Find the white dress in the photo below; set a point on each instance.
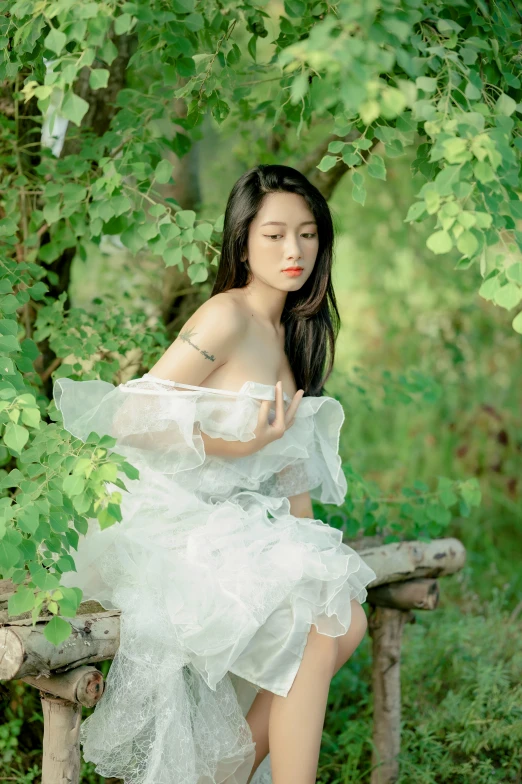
(217, 582)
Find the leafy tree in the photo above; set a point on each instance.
(348, 84)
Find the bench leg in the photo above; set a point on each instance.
(61, 742)
(385, 628)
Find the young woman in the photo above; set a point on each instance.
(237, 606)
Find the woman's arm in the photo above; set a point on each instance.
(301, 505)
(222, 448)
(206, 342)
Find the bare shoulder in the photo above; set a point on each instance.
(205, 342)
(220, 306)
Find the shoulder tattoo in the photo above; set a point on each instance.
(186, 337)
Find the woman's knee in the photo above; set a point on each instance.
(359, 618)
(352, 639)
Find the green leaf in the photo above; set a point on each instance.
(182, 6)
(483, 172)
(326, 163)
(132, 239)
(203, 231)
(426, 83)
(8, 343)
(251, 47)
(15, 437)
(470, 491)
(82, 466)
(108, 472)
(106, 441)
(51, 213)
(505, 105)
(59, 520)
(37, 292)
(439, 242)
(336, 146)
(82, 503)
(74, 108)
(70, 601)
(508, 296)
(456, 150)
(467, 243)
(517, 323)
(489, 288)
(44, 580)
(57, 630)
(21, 602)
(299, 87)
(376, 167)
(11, 303)
(173, 257)
(122, 24)
(163, 172)
(438, 514)
(99, 77)
(446, 493)
(197, 273)
(472, 92)
(73, 485)
(130, 470)
(107, 52)
(31, 417)
(483, 220)
(9, 555)
(415, 211)
(514, 272)
(515, 207)
(446, 179)
(432, 199)
(185, 219)
(55, 40)
(28, 519)
(359, 194)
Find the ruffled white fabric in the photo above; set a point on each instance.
(218, 583)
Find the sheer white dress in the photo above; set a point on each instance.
(217, 582)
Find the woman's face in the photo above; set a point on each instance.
(283, 234)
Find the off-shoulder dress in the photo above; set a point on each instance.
(217, 582)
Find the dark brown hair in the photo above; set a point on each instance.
(310, 315)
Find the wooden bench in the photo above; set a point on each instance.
(407, 575)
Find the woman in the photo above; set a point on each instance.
(237, 606)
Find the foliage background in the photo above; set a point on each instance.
(427, 367)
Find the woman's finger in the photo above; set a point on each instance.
(294, 405)
(264, 413)
(279, 419)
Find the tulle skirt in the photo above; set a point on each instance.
(212, 610)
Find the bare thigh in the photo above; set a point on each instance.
(333, 652)
(347, 643)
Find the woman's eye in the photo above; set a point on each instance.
(275, 236)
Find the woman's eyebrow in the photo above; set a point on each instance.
(280, 223)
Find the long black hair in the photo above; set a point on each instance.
(310, 315)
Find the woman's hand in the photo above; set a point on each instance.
(265, 431)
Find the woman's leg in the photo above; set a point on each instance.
(259, 714)
(258, 717)
(296, 721)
